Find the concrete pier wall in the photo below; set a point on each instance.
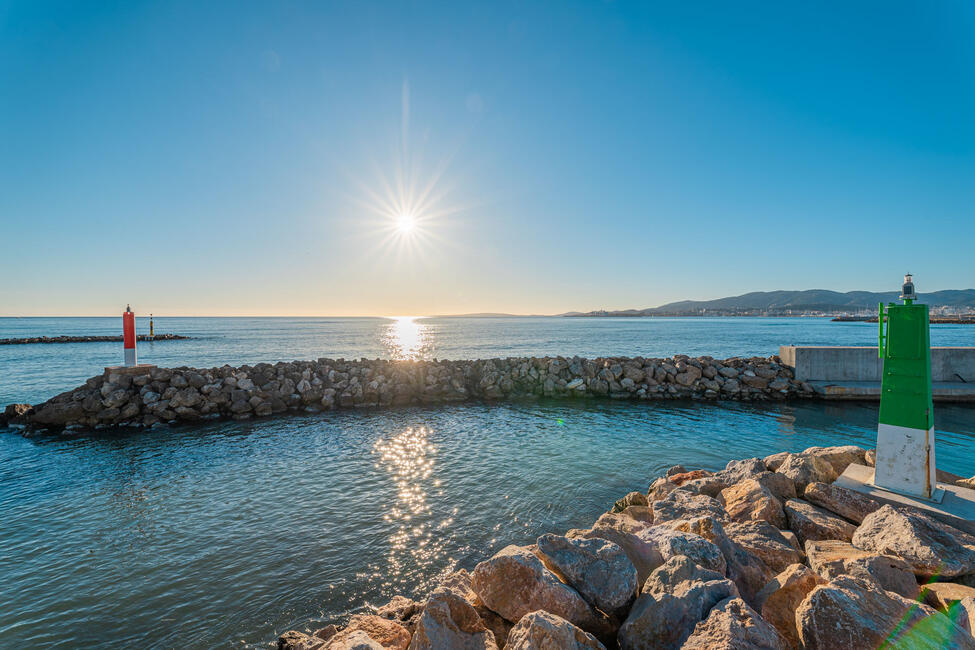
(836, 372)
(839, 363)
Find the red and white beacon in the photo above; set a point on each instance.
(128, 336)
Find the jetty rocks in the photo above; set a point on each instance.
(144, 397)
(757, 555)
(89, 339)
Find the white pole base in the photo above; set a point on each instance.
(905, 461)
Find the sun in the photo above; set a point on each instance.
(405, 223)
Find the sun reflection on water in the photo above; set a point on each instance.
(406, 337)
(408, 457)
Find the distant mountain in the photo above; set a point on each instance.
(784, 302)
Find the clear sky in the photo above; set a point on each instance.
(258, 158)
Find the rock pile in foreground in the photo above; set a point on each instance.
(144, 397)
(766, 553)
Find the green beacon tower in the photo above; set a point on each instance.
(905, 433)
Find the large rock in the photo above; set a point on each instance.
(733, 625)
(739, 470)
(748, 500)
(746, 570)
(780, 598)
(766, 542)
(930, 547)
(402, 610)
(626, 533)
(781, 486)
(775, 461)
(852, 612)
(597, 568)
(841, 501)
(671, 543)
(459, 582)
(640, 513)
(543, 631)
(515, 582)
(449, 621)
(387, 634)
(963, 613)
(833, 558)
(803, 470)
(631, 499)
(942, 595)
(682, 504)
(811, 523)
(838, 457)
(676, 597)
(295, 640)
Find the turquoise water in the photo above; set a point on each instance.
(231, 533)
(33, 373)
(228, 533)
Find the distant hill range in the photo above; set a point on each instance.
(792, 302)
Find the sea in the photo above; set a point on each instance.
(226, 534)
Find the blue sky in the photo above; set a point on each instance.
(242, 158)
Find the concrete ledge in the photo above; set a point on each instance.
(944, 391)
(860, 363)
(957, 508)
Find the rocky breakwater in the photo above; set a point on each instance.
(159, 395)
(766, 553)
(89, 339)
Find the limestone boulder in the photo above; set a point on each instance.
(929, 546)
(660, 488)
(963, 613)
(811, 523)
(683, 477)
(838, 457)
(631, 499)
(841, 501)
(387, 634)
(639, 513)
(781, 597)
(515, 582)
(803, 470)
(739, 470)
(449, 621)
(766, 542)
(544, 631)
(459, 583)
(833, 558)
(682, 504)
(748, 500)
(294, 640)
(853, 612)
(780, 485)
(676, 597)
(401, 610)
(731, 625)
(626, 533)
(671, 543)
(775, 460)
(745, 569)
(943, 595)
(792, 539)
(597, 568)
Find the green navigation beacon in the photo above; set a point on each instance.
(905, 432)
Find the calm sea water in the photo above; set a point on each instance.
(33, 373)
(228, 533)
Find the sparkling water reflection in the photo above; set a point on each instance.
(407, 338)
